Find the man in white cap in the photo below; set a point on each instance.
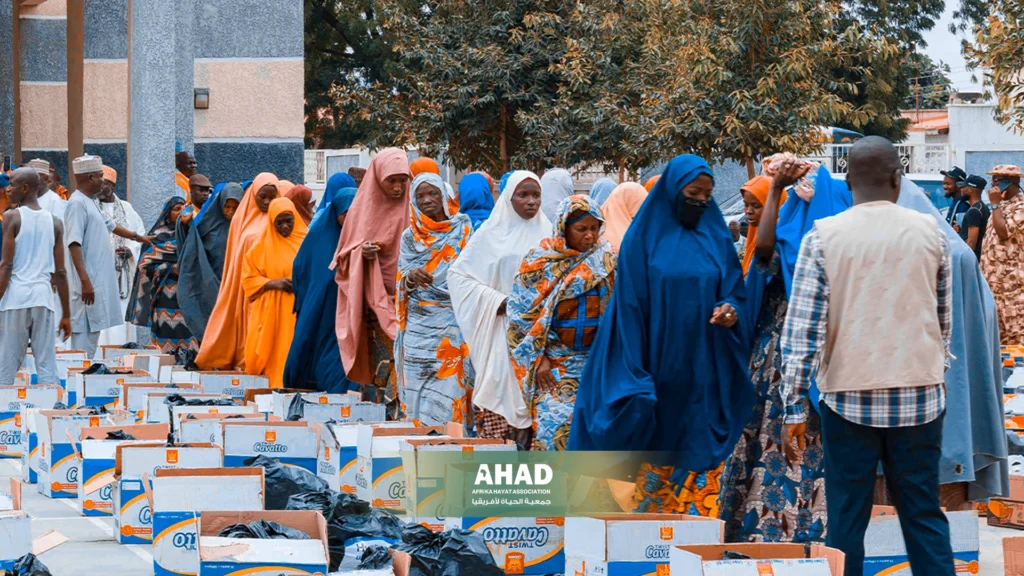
(48, 199)
(95, 305)
(126, 254)
(32, 258)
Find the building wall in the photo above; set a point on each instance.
(978, 141)
(248, 53)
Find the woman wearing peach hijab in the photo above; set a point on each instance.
(302, 197)
(223, 345)
(267, 282)
(366, 265)
(619, 209)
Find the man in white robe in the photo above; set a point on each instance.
(126, 254)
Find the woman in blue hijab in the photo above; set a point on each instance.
(314, 360)
(667, 372)
(601, 189)
(475, 198)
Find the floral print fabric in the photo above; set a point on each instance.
(552, 274)
(435, 377)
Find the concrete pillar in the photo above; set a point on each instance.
(185, 51)
(152, 79)
(8, 76)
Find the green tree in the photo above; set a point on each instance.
(998, 50)
(929, 82)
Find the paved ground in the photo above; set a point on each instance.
(92, 551)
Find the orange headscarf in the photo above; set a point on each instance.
(361, 283)
(301, 197)
(758, 187)
(651, 182)
(619, 209)
(424, 164)
(271, 319)
(223, 346)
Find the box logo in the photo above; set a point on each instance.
(515, 563)
(270, 436)
(119, 381)
(172, 456)
(765, 569)
(186, 540)
(17, 419)
(236, 382)
(22, 393)
(327, 452)
(214, 411)
(94, 421)
(665, 533)
(346, 411)
(662, 570)
(323, 399)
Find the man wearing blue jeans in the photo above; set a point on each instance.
(869, 320)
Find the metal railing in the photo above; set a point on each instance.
(916, 158)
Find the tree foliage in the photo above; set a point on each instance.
(929, 82)
(997, 49)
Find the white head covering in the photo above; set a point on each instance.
(87, 164)
(430, 178)
(41, 166)
(479, 281)
(556, 185)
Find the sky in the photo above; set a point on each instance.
(944, 46)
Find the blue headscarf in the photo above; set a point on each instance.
(602, 189)
(475, 198)
(314, 360)
(337, 182)
(660, 377)
(797, 217)
(973, 440)
(504, 180)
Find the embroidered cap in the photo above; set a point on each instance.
(87, 164)
(41, 166)
(110, 174)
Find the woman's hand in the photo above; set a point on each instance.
(724, 315)
(788, 173)
(370, 250)
(419, 278)
(545, 377)
(282, 284)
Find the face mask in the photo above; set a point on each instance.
(688, 211)
(1005, 185)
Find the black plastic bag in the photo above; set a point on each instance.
(186, 357)
(179, 400)
(97, 368)
(60, 406)
(95, 410)
(296, 410)
(732, 555)
(450, 553)
(263, 530)
(119, 435)
(28, 565)
(283, 481)
(334, 506)
(375, 558)
(131, 346)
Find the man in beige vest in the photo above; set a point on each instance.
(869, 321)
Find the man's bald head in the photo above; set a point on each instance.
(185, 163)
(875, 170)
(24, 183)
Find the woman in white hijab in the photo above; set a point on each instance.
(557, 186)
(479, 283)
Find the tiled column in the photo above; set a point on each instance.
(152, 64)
(7, 79)
(185, 52)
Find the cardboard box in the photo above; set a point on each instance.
(178, 412)
(264, 397)
(181, 376)
(134, 465)
(133, 396)
(1013, 556)
(207, 427)
(380, 476)
(12, 400)
(15, 529)
(98, 461)
(1008, 512)
(232, 384)
(114, 352)
(30, 446)
(520, 545)
(226, 556)
(180, 496)
(338, 456)
(354, 412)
(157, 411)
(59, 456)
(151, 364)
(282, 401)
(293, 443)
(425, 476)
(773, 559)
(886, 553)
(628, 544)
(104, 389)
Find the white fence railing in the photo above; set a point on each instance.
(916, 158)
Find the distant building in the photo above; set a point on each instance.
(220, 78)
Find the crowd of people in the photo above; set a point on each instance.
(767, 373)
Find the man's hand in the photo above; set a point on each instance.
(995, 196)
(724, 315)
(123, 252)
(147, 240)
(794, 442)
(419, 278)
(88, 294)
(64, 328)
